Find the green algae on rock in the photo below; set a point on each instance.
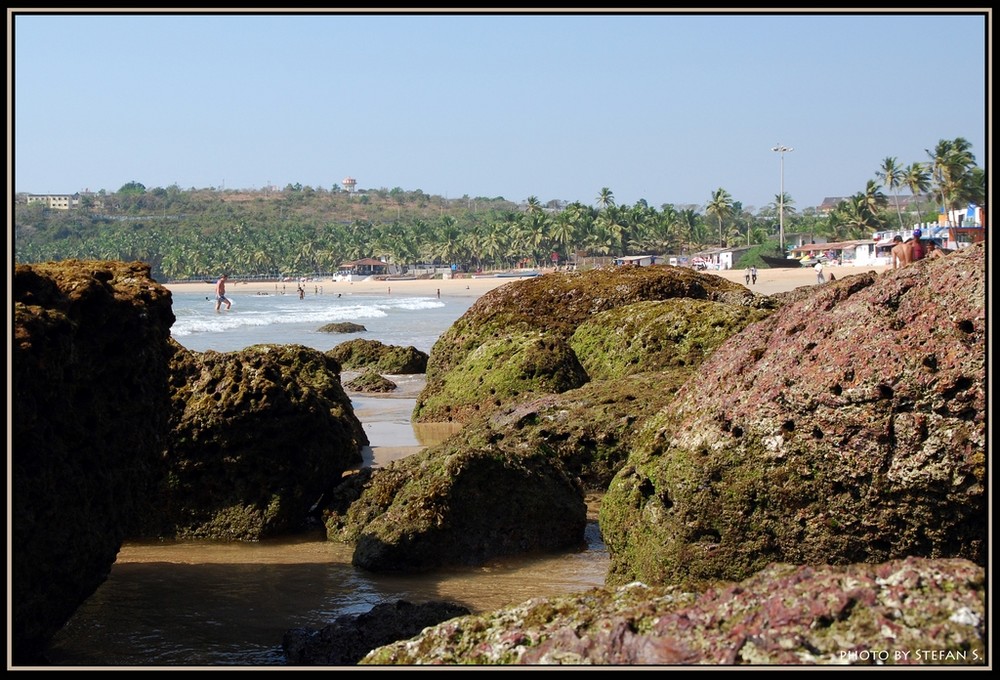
(370, 381)
(657, 334)
(848, 426)
(359, 354)
(258, 436)
(459, 504)
(551, 306)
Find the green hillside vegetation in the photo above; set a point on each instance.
(196, 234)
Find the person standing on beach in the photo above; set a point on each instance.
(819, 272)
(900, 253)
(220, 293)
(916, 246)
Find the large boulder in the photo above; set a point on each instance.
(849, 426)
(460, 503)
(546, 309)
(89, 397)
(912, 612)
(258, 436)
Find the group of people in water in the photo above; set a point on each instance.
(912, 249)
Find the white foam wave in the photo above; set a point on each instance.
(196, 314)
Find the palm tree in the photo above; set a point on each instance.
(721, 207)
(606, 198)
(562, 233)
(952, 161)
(609, 224)
(688, 222)
(874, 200)
(893, 177)
(917, 179)
(666, 228)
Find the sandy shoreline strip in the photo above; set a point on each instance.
(769, 282)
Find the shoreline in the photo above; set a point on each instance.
(769, 282)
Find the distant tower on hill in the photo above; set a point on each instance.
(350, 183)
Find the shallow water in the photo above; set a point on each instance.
(209, 604)
(219, 604)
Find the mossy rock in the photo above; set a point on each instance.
(342, 327)
(503, 370)
(89, 367)
(370, 381)
(655, 335)
(588, 430)
(555, 304)
(256, 436)
(849, 426)
(458, 505)
(360, 354)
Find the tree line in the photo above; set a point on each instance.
(306, 231)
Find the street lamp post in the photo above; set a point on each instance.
(781, 149)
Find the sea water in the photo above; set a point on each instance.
(215, 604)
(284, 318)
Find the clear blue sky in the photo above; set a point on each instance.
(665, 108)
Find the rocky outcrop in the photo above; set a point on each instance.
(523, 327)
(370, 381)
(914, 612)
(342, 327)
(363, 354)
(460, 503)
(848, 426)
(349, 638)
(257, 438)
(524, 395)
(89, 399)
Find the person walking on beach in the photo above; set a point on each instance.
(220, 293)
(819, 272)
(747, 276)
(753, 274)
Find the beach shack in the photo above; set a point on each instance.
(635, 261)
(718, 258)
(366, 267)
(856, 253)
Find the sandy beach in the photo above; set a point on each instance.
(769, 282)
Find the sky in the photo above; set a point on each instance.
(665, 108)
